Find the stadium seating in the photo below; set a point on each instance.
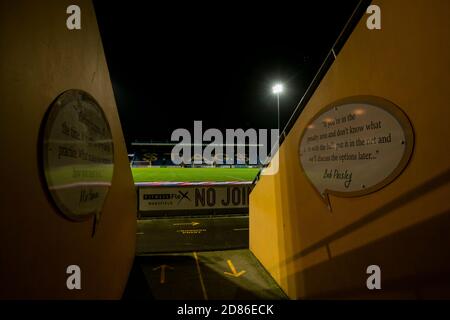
(153, 154)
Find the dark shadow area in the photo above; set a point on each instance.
(182, 280)
(137, 287)
(415, 264)
(426, 187)
(187, 234)
(191, 212)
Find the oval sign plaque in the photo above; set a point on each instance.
(78, 155)
(355, 146)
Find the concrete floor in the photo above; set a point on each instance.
(195, 233)
(208, 275)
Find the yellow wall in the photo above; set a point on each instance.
(39, 59)
(405, 227)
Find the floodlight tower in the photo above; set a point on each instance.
(277, 89)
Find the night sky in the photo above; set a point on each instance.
(175, 62)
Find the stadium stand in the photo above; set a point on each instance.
(158, 154)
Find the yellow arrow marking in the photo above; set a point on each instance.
(163, 268)
(234, 273)
(187, 224)
(191, 231)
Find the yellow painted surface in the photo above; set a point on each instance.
(404, 227)
(39, 59)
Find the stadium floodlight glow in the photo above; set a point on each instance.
(278, 88)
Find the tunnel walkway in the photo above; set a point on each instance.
(208, 275)
(192, 233)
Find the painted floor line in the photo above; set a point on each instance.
(205, 295)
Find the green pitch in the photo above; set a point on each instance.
(193, 174)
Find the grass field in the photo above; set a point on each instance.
(193, 174)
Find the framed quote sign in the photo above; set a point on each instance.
(77, 155)
(355, 146)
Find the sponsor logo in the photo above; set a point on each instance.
(168, 196)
